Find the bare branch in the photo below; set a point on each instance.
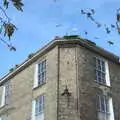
(11, 48)
(5, 14)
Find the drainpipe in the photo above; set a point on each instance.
(58, 69)
(77, 83)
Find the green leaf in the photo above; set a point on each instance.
(9, 29)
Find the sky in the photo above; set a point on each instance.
(37, 26)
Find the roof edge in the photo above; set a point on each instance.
(61, 41)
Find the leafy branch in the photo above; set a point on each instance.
(6, 27)
(16, 3)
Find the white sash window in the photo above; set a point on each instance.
(5, 93)
(38, 108)
(105, 108)
(40, 73)
(102, 71)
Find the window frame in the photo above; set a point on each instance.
(39, 74)
(3, 117)
(6, 93)
(41, 79)
(105, 100)
(40, 102)
(106, 81)
(108, 113)
(37, 114)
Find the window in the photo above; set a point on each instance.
(105, 108)
(5, 93)
(102, 72)
(40, 73)
(38, 108)
(103, 105)
(3, 117)
(39, 105)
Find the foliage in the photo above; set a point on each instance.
(7, 27)
(16, 3)
(116, 26)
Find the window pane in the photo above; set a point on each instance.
(4, 117)
(40, 79)
(102, 104)
(98, 64)
(43, 77)
(42, 72)
(39, 105)
(104, 112)
(36, 107)
(103, 78)
(107, 104)
(44, 65)
(7, 92)
(103, 66)
(39, 68)
(100, 71)
(98, 76)
(98, 103)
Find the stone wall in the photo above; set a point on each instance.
(77, 71)
(23, 93)
(67, 72)
(71, 70)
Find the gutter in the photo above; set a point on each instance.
(61, 41)
(29, 61)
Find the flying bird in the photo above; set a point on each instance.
(86, 32)
(110, 42)
(58, 25)
(112, 26)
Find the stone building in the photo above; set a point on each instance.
(68, 79)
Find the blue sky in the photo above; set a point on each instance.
(37, 26)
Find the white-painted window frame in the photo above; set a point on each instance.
(39, 74)
(106, 71)
(3, 97)
(4, 117)
(107, 113)
(36, 114)
(103, 103)
(6, 93)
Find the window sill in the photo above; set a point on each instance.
(4, 106)
(108, 113)
(39, 86)
(1, 107)
(102, 84)
(39, 113)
